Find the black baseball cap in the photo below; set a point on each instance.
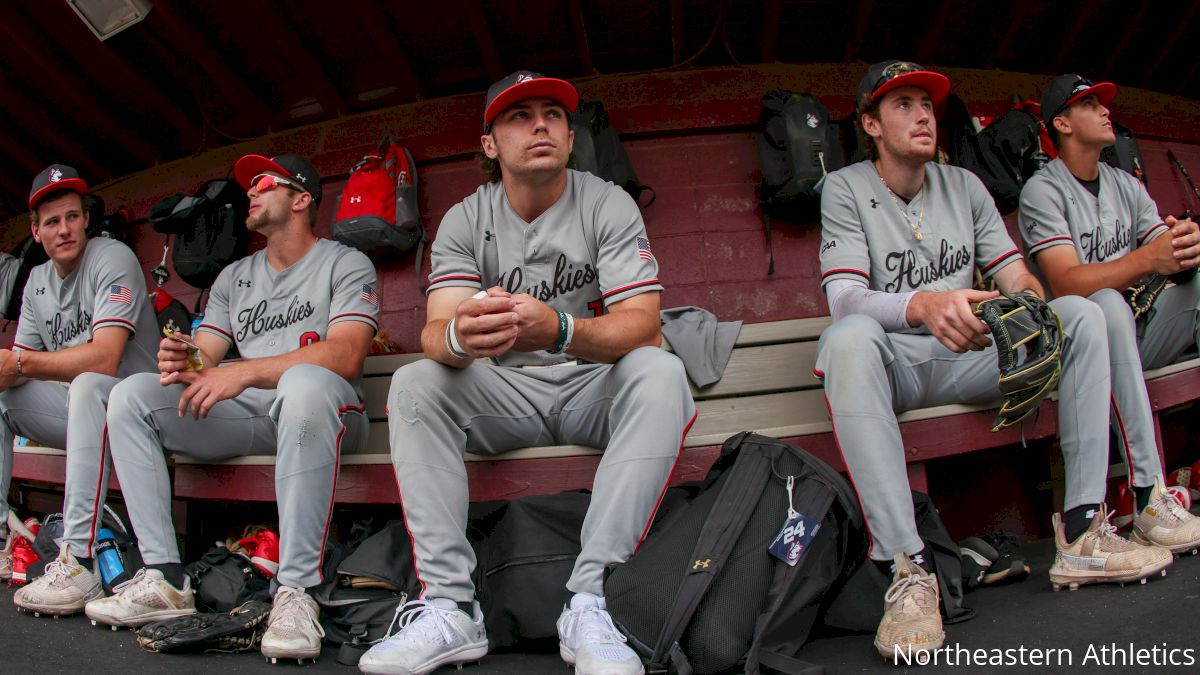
(524, 84)
(1067, 89)
(54, 178)
(888, 75)
(294, 167)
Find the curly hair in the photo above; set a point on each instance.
(868, 107)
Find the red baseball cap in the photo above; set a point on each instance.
(888, 75)
(54, 178)
(524, 84)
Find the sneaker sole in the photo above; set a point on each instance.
(888, 652)
(1140, 538)
(1018, 570)
(1074, 581)
(568, 657)
(137, 621)
(283, 653)
(464, 654)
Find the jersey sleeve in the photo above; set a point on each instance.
(994, 248)
(120, 289)
(1042, 217)
(452, 257)
(28, 337)
(1148, 225)
(216, 313)
(624, 261)
(844, 249)
(355, 291)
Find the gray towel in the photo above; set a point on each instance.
(700, 341)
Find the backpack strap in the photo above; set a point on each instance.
(724, 524)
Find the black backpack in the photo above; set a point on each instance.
(223, 580)
(598, 151)
(526, 550)
(704, 595)
(209, 229)
(1005, 154)
(797, 147)
(1125, 153)
(28, 254)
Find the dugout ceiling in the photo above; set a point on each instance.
(199, 75)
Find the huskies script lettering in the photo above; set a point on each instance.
(255, 320)
(64, 331)
(567, 278)
(1098, 248)
(911, 275)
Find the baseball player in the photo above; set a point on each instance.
(302, 313)
(1093, 231)
(571, 316)
(901, 239)
(85, 323)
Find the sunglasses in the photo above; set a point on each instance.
(1081, 85)
(265, 182)
(896, 70)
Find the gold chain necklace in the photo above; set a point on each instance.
(916, 227)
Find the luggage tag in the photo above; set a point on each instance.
(793, 540)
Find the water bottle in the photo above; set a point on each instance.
(196, 323)
(108, 558)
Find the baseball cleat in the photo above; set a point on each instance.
(1099, 555)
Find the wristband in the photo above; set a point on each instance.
(19, 362)
(564, 330)
(570, 332)
(452, 344)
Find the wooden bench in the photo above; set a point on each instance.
(768, 387)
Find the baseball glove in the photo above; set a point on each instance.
(1141, 296)
(1030, 345)
(240, 630)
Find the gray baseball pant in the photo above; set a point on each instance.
(638, 409)
(307, 423)
(871, 375)
(36, 410)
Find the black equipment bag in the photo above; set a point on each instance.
(1005, 154)
(598, 151)
(209, 229)
(858, 606)
(356, 618)
(1125, 153)
(28, 254)
(223, 580)
(526, 550)
(797, 147)
(703, 594)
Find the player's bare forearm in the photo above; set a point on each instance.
(1016, 277)
(1066, 275)
(433, 344)
(342, 351)
(629, 324)
(101, 355)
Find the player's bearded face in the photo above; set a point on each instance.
(532, 136)
(61, 229)
(907, 128)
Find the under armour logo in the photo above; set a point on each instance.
(702, 564)
(874, 204)
(300, 177)
(487, 235)
(918, 559)
(1091, 513)
(242, 283)
(40, 291)
(356, 199)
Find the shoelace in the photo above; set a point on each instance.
(1168, 508)
(56, 572)
(913, 581)
(593, 624)
(426, 619)
(291, 606)
(137, 579)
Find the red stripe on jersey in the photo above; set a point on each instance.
(1001, 259)
(629, 287)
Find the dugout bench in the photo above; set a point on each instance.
(768, 387)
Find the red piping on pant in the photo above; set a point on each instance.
(662, 494)
(838, 443)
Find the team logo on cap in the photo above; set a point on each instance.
(523, 77)
(899, 68)
(55, 175)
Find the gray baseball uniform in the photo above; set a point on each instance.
(871, 375)
(585, 252)
(305, 421)
(1056, 210)
(105, 289)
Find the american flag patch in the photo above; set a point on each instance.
(119, 293)
(369, 295)
(643, 246)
